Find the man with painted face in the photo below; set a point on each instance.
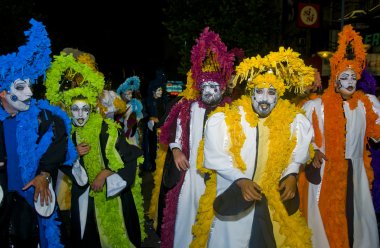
(253, 150)
(341, 176)
(103, 209)
(33, 144)
(181, 133)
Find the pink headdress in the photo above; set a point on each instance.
(210, 60)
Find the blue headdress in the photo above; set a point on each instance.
(31, 61)
(131, 83)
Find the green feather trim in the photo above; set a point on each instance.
(91, 86)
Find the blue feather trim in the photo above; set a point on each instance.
(31, 61)
(29, 154)
(131, 83)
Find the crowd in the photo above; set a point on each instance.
(252, 153)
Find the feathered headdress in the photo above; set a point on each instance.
(210, 60)
(350, 54)
(71, 77)
(131, 83)
(283, 70)
(31, 61)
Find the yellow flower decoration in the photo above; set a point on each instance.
(291, 72)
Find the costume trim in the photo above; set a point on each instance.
(293, 228)
(31, 61)
(109, 217)
(131, 83)
(90, 87)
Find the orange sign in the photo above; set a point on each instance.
(308, 15)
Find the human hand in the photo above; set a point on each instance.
(83, 148)
(289, 187)
(251, 191)
(41, 187)
(100, 179)
(180, 159)
(318, 159)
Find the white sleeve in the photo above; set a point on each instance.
(310, 107)
(216, 154)
(302, 128)
(178, 135)
(1, 195)
(376, 108)
(79, 173)
(115, 184)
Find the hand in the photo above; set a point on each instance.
(180, 159)
(41, 187)
(100, 179)
(151, 125)
(83, 148)
(251, 191)
(289, 185)
(318, 159)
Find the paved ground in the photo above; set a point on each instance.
(152, 241)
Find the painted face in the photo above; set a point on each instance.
(127, 95)
(80, 112)
(346, 83)
(264, 100)
(211, 93)
(157, 93)
(19, 95)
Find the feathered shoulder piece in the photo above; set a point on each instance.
(210, 60)
(71, 77)
(131, 83)
(350, 54)
(30, 61)
(283, 70)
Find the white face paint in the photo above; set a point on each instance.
(80, 112)
(211, 93)
(157, 93)
(127, 95)
(346, 83)
(264, 100)
(19, 95)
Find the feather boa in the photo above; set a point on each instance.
(171, 201)
(108, 213)
(294, 227)
(29, 155)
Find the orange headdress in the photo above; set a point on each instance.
(342, 59)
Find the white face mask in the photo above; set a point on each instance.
(264, 100)
(127, 95)
(157, 93)
(211, 93)
(346, 83)
(80, 112)
(19, 95)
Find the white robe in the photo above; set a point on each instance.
(193, 186)
(365, 224)
(235, 231)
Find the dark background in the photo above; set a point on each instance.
(126, 37)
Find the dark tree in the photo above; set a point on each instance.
(253, 25)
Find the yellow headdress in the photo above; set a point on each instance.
(341, 60)
(283, 70)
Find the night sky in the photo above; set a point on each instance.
(125, 40)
